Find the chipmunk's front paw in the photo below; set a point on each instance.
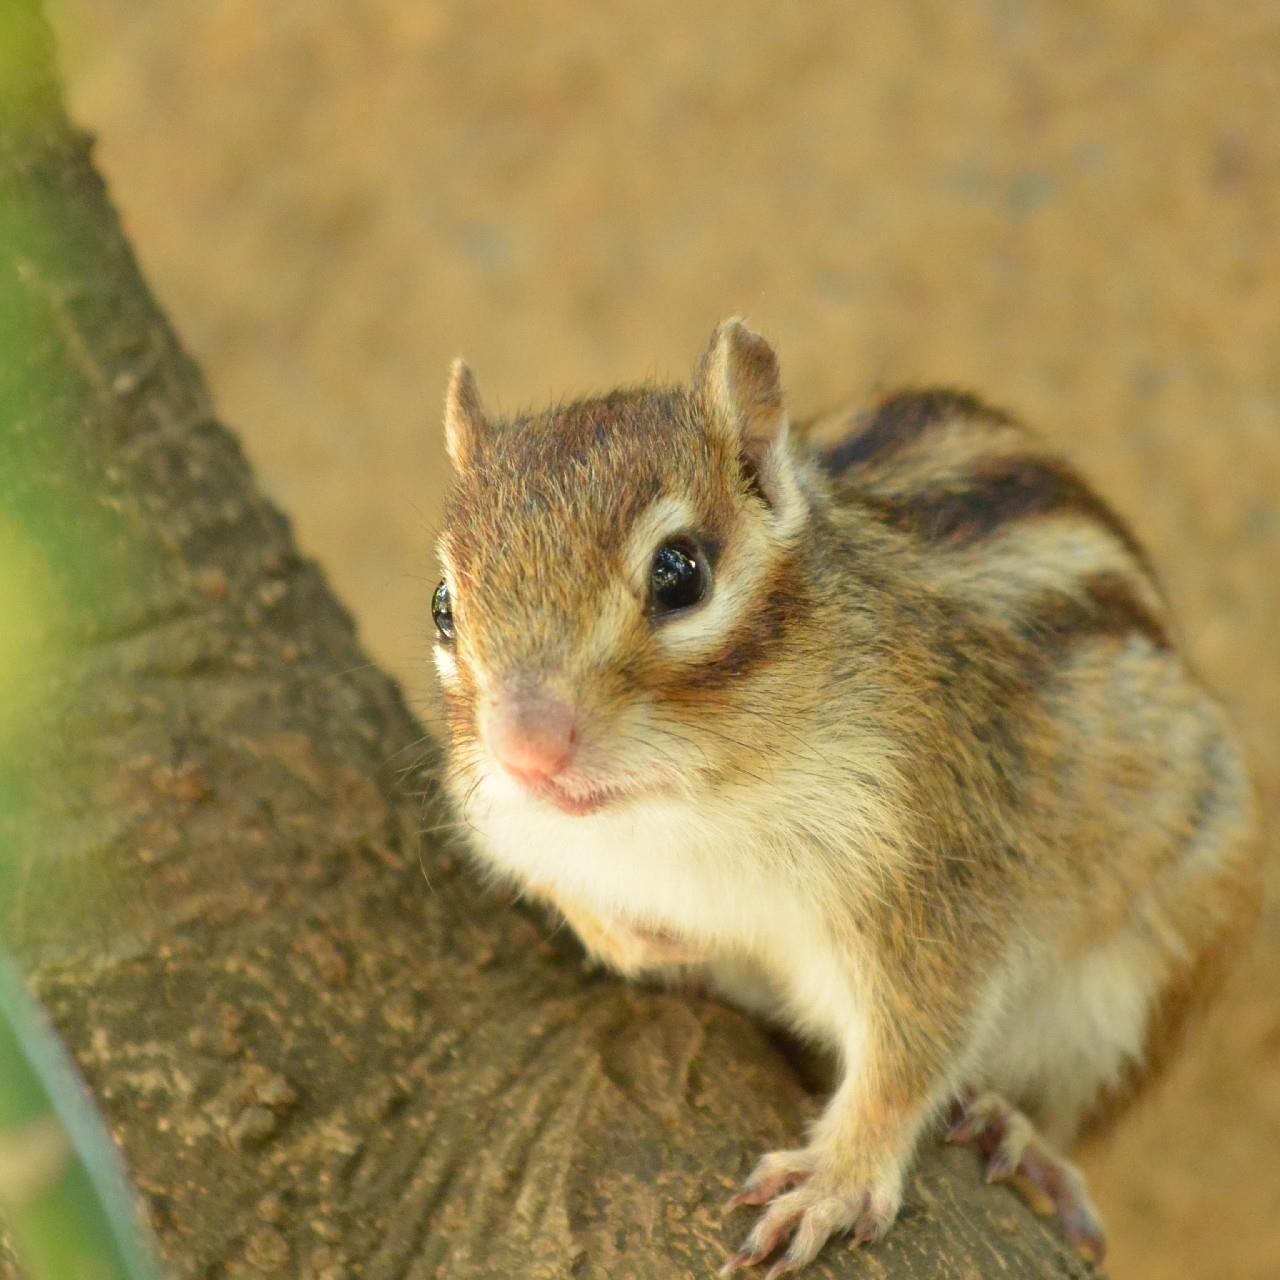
(635, 952)
(627, 948)
(808, 1201)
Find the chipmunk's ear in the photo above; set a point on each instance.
(463, 414)
(740, 385)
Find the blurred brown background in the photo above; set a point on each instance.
(1073, 208)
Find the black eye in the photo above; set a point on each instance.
(442, 611)
(678, 578)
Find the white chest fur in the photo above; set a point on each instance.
(707, 876)
(658, 863)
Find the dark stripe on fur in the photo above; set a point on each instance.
(900, 421)
(1104, 605)
(758, 639)
(993, 677)
(1000, 492)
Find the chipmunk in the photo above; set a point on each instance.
(887, 737)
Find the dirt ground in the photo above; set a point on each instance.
(1074, 209)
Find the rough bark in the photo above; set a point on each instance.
(325, 1050)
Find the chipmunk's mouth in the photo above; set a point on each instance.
(579, 802)
(578, 794)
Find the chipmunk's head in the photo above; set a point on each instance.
(615, 572)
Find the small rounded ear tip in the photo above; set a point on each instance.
(733, 330)
(463, 415)
(462, 390)
(735, 337)
(460, 375)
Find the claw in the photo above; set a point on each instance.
(772, 1229)
(965, 1129)
(868, 1230)
(761, 1190)
(743, 1258)
(1002, 1165)
(783, 1267)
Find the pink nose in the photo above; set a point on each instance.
(532, 738)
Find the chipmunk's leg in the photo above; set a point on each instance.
(1014, 1151)
(618, 945)
(901, 1029)
(909, 993)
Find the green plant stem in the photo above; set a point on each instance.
(63, 1193)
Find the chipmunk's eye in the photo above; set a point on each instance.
(678, 577)
(442, 611)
